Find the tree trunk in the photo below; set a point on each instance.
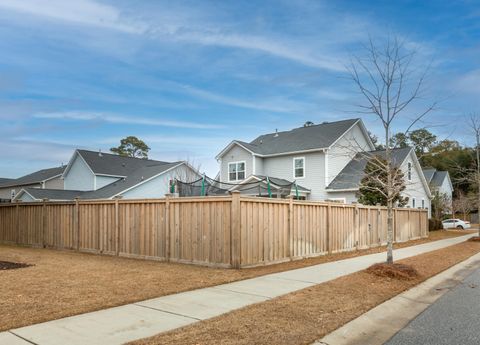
(389, 232)
(478, 178)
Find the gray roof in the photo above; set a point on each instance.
(438, 178)
(5, 180)
(429, 173)
(53, 194)
(300, 139)
(352, 174)
(33, 178)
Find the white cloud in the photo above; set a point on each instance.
(84, 12)
(123, 119)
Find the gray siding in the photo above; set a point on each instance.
(344, 150)
(26, 198)
(156, 187)
(236, 154)
(79, 177)
(258, 166)
(56, 183)
(102, 181)
(5, 193)
(282, 167)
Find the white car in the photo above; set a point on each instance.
(455, 224)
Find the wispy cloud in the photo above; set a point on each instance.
(124, 119)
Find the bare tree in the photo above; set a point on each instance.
(463, 203)
(389, 84)
(475, 127)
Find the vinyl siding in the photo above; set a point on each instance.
(5, 193)
(350, 197)
(236, 154)
(102, 181)
(344, 150)
(258, 166)
(282, 167)
(415, 188)
(158, 186)
(56, 183)
(26, 198)
(79, 176)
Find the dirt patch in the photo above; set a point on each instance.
(310, 314)
(66, 283)
(7, 265)
(474, 239)
(393, 271)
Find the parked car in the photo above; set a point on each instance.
(455, 224)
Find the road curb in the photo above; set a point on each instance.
(379, 324)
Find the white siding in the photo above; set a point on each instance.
(102, 181)
(344, 150)
(79, 176)
(282, 167)
(415, 188)
(26, 198)
(236, 154)
(156, 187)
(350, 197)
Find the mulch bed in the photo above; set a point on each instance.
(309, 314)
(394, 271)
(7, 265)
(474, 239)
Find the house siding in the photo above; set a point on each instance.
(6, 193)
(342, 152)
(79, 176)
(258, 166)
(282, 167)
(158, 186)
(415, 188)
(102, 181)
(26, 198)
(236, 154)
(56, 183)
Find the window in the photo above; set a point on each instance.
(12, 193)
(413, 202)
(423, 203)
(409, 171)
(236, 171)
(299, 167)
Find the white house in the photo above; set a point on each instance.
(43, 179)
(440, 185)
(97, 175)
(323, 159)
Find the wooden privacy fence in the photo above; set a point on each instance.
(230, 231)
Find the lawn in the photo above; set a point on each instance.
(63, 283)
(309, 314)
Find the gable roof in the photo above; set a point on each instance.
(5, 180)
(436, 177)
(315, 137)
(429, 173)
(51, 194)
(349, 178)
(35, 177)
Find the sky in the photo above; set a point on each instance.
(188, 77)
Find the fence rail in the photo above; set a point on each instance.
(231, 231)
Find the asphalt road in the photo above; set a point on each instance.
(453, 319)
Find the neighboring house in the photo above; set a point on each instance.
(323, 159)
(440, 184)
(43, 179)
(97, 175)
(346, 183)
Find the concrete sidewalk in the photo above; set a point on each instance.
(143, 319)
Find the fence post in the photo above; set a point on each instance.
(356, 224)
(167, 227)
(290, 227)
(44, 223)
(76, 218)
(235, 228)
(117, 228)
(329, 226)
(17, 222)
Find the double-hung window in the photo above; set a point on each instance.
(409, 171)
(236, 171)
(299, 167)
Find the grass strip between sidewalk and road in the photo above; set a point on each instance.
(307, 315)
(64, 283)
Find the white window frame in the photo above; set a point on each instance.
(13, 194)
(304, 167)
(245, 171)
(414, 203)
(423, 203)
(409, 171)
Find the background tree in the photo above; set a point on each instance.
(463, 204)
(375, 141)
(131, 147)
(372, 189)
(422, 140)
(399, 140)
(389, 84)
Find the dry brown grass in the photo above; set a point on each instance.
(310, 314)
(66, 283)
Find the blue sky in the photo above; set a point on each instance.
(187, 77)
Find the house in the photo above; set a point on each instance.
(42, 179)
(323, 159)
(440, 185)
(97, 175)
